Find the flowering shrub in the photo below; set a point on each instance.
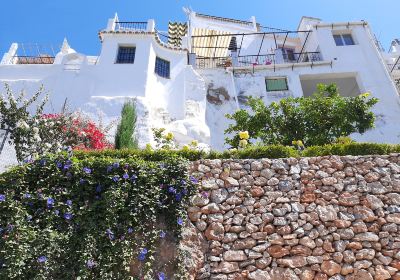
(163, 139)
(67, 218)
(38, 133)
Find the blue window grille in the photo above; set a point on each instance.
(162, 68)
(126, 55)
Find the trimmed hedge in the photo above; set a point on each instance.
(254, 152)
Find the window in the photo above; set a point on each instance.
(288, 55)
(126, 54)
(343, 40)
(162, 68)
(276, 84)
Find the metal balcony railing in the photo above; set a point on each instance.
(257, 60)
(130, 25)
(43, 59)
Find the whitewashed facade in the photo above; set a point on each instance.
(189, 88)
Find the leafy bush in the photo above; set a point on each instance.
(124, 138)
(38, 133)
(316, 120)
(91, 218)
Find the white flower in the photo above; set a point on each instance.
(37, 138)
(48, 145)
(23, 124)
(35, 130)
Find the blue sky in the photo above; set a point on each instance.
(49, 21)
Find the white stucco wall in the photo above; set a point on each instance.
(100, 86)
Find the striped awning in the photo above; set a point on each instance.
(176, 30)
(208, 44)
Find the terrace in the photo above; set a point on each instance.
(268, 46)
(33, 54)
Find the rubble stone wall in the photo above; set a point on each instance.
(311, 218)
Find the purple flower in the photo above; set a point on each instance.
(2, 197)
(109, 168)
(90, 263)
(29, 217)
(205, 194)
(59, 164)
(27, 195)
(10, 227)
(122, 238)
(142, 254)
(183, 182)
(110, 234)
(180, 221)
(98, 188)
(68, 216)
(161, 276)
(87, 170)
(184, 191)
(42, 162)
(171, 190)
(133, 178)
(115, 164)
(115, 178)
(193, 180)
(82, 181)
(162, 234)
(50, 202)
(125, 176)
(66, 166)
(42, 259)
(57, 212)
(69, 202)
(130, 230)
(178, 197)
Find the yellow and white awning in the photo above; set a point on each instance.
(209, 44)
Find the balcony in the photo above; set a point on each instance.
(42, 59)
(130, 26)
(257, 60)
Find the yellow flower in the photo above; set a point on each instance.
(148, 146)
(244, 135)
(169, 136)
(300, 143)
(194, 143)
(365, 94)
(294, 142)
(185, 148)
(243, 143)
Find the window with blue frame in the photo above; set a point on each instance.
(126, 55)
(162, 68)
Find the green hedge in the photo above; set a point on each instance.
(87, 218)
(272, 151)
(354, 149)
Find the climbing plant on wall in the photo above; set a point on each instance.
(94, 218)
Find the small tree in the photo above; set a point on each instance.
(316, 120)
(124, 138)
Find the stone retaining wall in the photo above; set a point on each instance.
(312, 218)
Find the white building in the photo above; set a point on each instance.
(186, 80)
